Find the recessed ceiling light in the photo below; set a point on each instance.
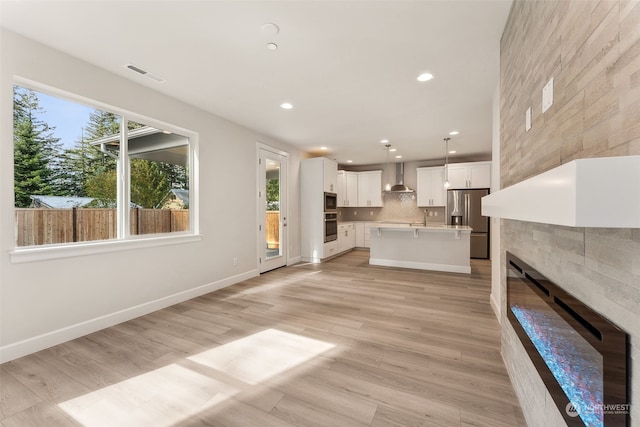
(286, 106)
(323, 148)
(425, 77)
(393, 149)
(453, 132)
(452, 152)
(384, 141)
(398, 157)
(349, 161)
(272, 46)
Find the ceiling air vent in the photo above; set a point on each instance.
(145, 73)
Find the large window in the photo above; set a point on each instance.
(85, 174)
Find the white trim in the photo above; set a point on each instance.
(294, 260)
(130, 115)
(41, 342)
(421, 265)
(260, 208)
(68, 250)
(495, 306)
(123, 242)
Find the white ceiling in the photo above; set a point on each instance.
(349, 67)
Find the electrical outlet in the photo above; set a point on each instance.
(436, 213)
(371, 213)
(355, 213)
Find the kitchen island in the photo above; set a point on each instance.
(430, 247)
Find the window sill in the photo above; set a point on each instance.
(70, 250)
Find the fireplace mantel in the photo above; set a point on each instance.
(595, 192)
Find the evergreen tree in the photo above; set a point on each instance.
(85, 164)
(78, 164)
(34, 149)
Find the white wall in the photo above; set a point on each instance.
(47, 302)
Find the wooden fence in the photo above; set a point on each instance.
(35, 226)
(272, 229)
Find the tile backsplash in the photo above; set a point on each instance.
(398, 207)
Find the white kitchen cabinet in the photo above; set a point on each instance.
(430, 189)
(346, 237)
(469, 175)
(363, 233)
(330, 175)
(347, 189)
(370, 189)
(316, 176)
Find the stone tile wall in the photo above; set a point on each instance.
(592, 51)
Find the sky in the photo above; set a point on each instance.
(67, 117)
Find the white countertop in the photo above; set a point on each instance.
(428, 227)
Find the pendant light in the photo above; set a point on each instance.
(446, 163)
(387, 187)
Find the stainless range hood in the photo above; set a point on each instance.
(399, 187)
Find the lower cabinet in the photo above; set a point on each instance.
(346, 237)
(330, 249)
(363, 234)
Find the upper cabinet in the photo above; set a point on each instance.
(430, 189)
(330, 176)
(347, 189)
(469, 175)
(370, 189)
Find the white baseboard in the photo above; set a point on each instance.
(496, 307)
(41, 342)
(421, 265)
(294, 260)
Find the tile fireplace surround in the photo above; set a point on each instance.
(598, 266)
(591, 50)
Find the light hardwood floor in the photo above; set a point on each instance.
(337, 344)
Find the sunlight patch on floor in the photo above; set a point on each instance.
(271, 286)
(173, 393)
(161, 397)
(263, 355)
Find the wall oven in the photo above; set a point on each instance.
(330, 202)
(330, 226)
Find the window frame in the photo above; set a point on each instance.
(124, 240)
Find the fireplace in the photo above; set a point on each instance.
(581, 357)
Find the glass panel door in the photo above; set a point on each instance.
(272, 209)
(273, 214)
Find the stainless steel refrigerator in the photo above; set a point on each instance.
(464, 208)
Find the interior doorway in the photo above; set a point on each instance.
(272, 208)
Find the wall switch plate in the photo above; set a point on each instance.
(355, 213)
(547, 95)
(527, 120)
(371, 213)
